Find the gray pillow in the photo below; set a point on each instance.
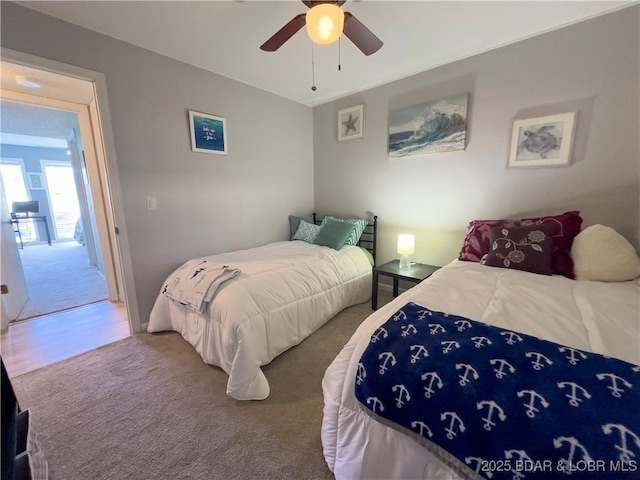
(334, 234)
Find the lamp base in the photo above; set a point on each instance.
(405, 262)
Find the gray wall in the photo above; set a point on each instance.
(591, 68)
(206, 203)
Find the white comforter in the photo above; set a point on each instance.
(594, 316)
(285, 292)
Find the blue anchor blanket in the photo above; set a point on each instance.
(496, 404)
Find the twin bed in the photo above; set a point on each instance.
(500, 365)
(273, 297)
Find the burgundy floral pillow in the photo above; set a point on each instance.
(525, 248)
(477, 242)
(565, 228)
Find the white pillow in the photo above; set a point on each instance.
(601, 254)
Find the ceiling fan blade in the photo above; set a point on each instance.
(360, 35)
(284, 34)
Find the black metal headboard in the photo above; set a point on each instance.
(369, 237)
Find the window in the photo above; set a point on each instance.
(13, 181)
(12, 174)
(63, 197)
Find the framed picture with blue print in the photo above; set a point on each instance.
(208, 133)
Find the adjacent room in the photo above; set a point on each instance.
(279, 214)
(49, 228)
(62, 298)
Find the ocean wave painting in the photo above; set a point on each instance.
(432, 127)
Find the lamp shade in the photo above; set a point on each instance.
(406, 244)
(325, 23)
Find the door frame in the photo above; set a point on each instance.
(109, 256)
(97, 134)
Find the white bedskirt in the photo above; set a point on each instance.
(284, 293)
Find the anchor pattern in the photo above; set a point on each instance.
(481, 392)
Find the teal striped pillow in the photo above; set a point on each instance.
(358, 227)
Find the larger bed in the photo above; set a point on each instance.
(572, 317)
(269, 299)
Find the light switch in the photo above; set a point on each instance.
(152, 203)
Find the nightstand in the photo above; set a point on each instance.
(415, 274)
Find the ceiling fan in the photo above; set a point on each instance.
(319, 23)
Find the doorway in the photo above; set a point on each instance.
(61, 267)
(88, 222)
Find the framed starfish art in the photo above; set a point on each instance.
(351, 123)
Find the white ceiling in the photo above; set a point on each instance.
(224, 36)
(24, 119)
(27, 119)
(52, 85)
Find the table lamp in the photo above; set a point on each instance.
(406, 247)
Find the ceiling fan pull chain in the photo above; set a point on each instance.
(313, 71)
(339, 53)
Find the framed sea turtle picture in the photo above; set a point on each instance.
(542, 141)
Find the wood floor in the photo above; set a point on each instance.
(32, 344)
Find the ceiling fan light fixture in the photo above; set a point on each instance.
(325, 23)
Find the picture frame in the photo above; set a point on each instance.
(35, 180)
(542, 141)
(208, 133)
(437, 126)
(351, 123)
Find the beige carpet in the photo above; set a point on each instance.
(148, 407)
(59, 277)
